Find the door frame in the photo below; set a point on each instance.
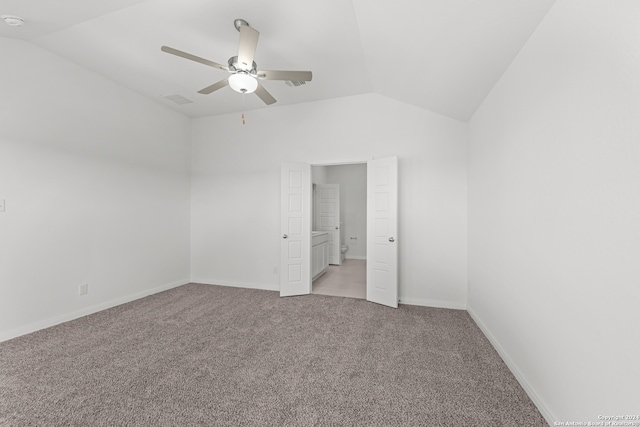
(308, 216)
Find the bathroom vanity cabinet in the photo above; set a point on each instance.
(319, 253)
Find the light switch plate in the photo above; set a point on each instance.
(1, 205)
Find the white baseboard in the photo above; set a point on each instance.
(544, 410)
(355, 257)
(261, 286)
(424, 302)
(56, 320)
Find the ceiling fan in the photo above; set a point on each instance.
(244, 71)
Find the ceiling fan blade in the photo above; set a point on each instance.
(207, 90)
(264, 95)
(247, 49)
(294, 76)
(193, 58)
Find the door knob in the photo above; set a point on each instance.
(391, 239)
(284, 236)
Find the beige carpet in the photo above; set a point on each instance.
(346, 280)
(202, 355)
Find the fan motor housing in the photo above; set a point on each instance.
(233, 66)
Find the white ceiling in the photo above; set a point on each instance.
(441, 55)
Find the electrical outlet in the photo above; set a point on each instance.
(275, 270)
(1, 205)
(83, 289)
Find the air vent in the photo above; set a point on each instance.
(179, 99)
(295, 83)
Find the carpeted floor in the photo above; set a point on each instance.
(219, 356)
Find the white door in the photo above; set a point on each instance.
(328, 217)
(295, 229)
(382, 231)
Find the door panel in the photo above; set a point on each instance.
(328, 217)
(382, 231)
(295, 229)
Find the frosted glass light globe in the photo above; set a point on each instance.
(243, 82)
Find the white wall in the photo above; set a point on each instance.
(236, 188)
(353, 206)
(319, 174)
(554, 211)
(96, 183)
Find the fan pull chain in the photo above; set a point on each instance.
(243, 108)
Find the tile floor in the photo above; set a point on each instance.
(346, 280)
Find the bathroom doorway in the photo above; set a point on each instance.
(297, 237)
(339, 208)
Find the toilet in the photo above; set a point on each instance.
(343, 249)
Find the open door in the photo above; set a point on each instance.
(382, 231)
(328, 217)
(295, 229)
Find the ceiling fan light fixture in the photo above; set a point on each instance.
(243, 83)
(244, 71)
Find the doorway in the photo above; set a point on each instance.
(339, 207)
(382, 230)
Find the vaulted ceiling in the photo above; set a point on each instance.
(441, 55)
